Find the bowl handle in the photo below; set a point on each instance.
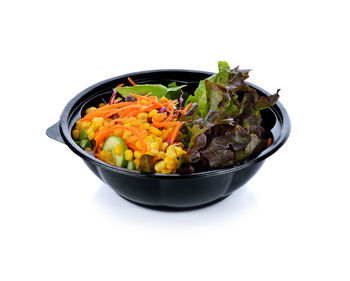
(54, 132)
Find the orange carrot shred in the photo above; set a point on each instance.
(131, 81)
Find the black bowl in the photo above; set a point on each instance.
(174, 190)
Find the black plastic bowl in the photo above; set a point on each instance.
(160, 190)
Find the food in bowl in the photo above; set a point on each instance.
(154, 128)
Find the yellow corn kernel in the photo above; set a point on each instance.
(165, 133)
(78, 125)
(106, 155)
(128, 155)
(172, 165)
(154, 151)
(161, 155)
(158, 140)
(90, 109)
(148, 145)
(128, 124)
(142, 116)
(155, 131)
(163, 146)
(88, 149)
(118, 149)
(159, 117)
(179, 151)
(168, 160)
(137, 162)
(126, 134)
(85, 125)
(75, 134)
(155, 145)
(145, 126)
(118, 132)
(166, 171)
(90, 133)
(170, 153)
(97, 122)
(163, 99)
(152, 113)
(159, 166)
(143, 102)
(148, 139)
(138, 144)
(137, 154)
(101, 104)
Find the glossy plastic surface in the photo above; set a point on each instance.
(159, 190)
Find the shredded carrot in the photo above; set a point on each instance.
(164, 124)
(269, 142)
(186, 108)
(132, 82)
(175, 132)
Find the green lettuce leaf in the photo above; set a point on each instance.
(157, 90)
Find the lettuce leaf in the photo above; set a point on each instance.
(157, 90)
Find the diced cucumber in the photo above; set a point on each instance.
(85, 143)
(83, 135)
(110, 144)
(131, 165)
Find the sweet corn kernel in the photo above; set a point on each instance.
(145, 126)
(165, 134)
(126, 134)
(75, 134)
(97, 122)
(161, 155)
(179, 151)
(148, 139)
(128, 124)
(118, 149)
(143, 102)
(106, 155)
(159, 117)
(90, 109)
(128, 155)
(155, 145)
(101, 104)
(142, 116)
(150, 153)
(158, 140)
(163, 146)
(137, 162)
(170, 154)
(78, 125)
(90, 133)
(118, 132)
(85, 125)
(159, 166)
(137, 154)
(155, 131)
(138, 144)
(169, 161)
(88, 149)
(163, 99)
(171, 166)
(154, 151)
(166, 171)
(152, 113)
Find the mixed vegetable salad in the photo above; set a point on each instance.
(157, 129)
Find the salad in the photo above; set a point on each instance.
(154, 128)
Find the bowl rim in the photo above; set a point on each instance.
(278, 109)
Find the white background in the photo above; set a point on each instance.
(60, 222)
